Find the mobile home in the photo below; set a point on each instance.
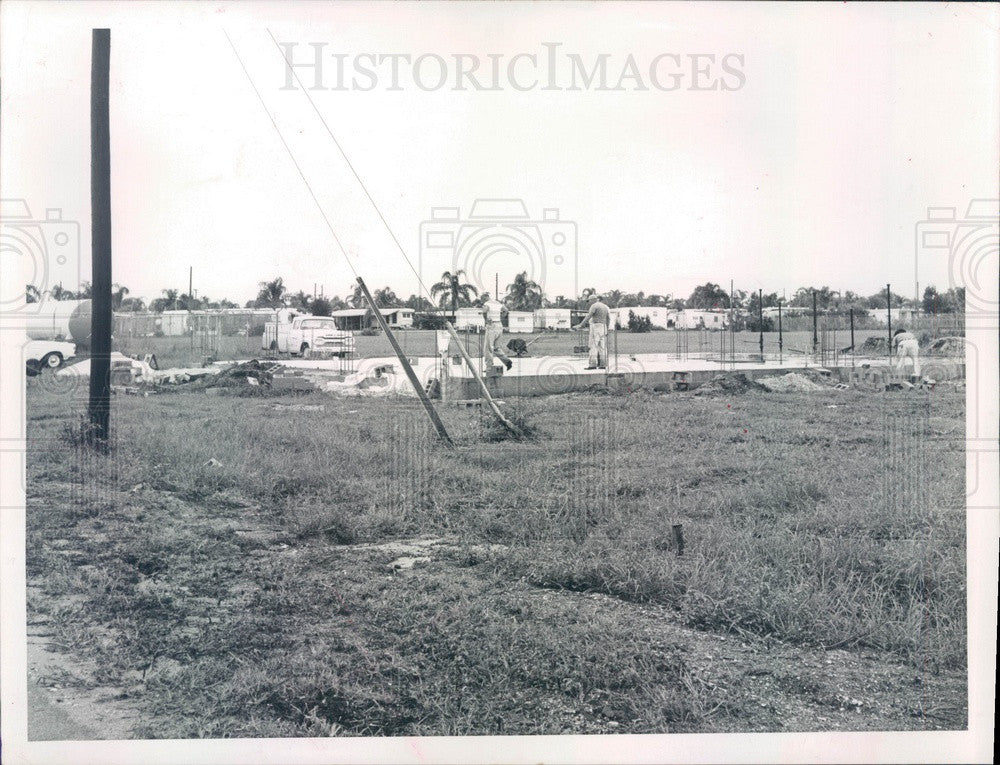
(519, 322)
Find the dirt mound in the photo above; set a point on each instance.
(874, 345)
(791, 382)
(947, 346)
(734, 382)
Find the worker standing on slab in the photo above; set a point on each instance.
(906, 347)
(597, 318)
(493, 312)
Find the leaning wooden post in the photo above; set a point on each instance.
(405, 363)
(482, 383)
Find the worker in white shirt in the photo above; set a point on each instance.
(493, 312)
(597, 319)
(907, 347)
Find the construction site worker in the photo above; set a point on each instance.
(597, 319)
(906, 346)
(493, 312)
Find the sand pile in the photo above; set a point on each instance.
(792, 382)
(728, 384)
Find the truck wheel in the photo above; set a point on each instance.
(305, 351)
(52, 360)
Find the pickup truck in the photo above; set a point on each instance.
(308, 337)
(41, 354)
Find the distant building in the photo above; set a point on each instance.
(520, 322)
(354, 318)
(174, 323)
(899, 315)
(691, 318)
(552, 318)
(470, 318)
(658, 315)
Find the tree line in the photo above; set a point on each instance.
(453, 291)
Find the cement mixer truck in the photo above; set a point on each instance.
(63, 320)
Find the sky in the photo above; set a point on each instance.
(830, 131)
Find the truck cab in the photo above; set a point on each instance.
(308, 337)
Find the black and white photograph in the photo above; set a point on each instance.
(499, 382)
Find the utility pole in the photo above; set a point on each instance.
(190, 286)
(99, 405)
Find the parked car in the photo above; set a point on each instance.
(47, 354)
(308, 336)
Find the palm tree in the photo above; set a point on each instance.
(171, 298)
(385, 298)
(357, 298)
(583, 302)
(32, 294)
(523, 294)
(613, 298)
(321, 307)
(271, 293)
(450, 288)
(301, 300)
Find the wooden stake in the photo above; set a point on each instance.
(405, 362)
(482, 383)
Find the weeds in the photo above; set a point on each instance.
(493, 431)
(227, 597)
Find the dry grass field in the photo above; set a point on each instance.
(311, 566)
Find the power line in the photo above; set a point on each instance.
(357, 177)
(291, 156)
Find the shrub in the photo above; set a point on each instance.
(639, 323)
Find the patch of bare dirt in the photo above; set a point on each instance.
(64, 701)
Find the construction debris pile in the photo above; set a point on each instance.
(806, 381)
(373, 377)
(129, 373)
